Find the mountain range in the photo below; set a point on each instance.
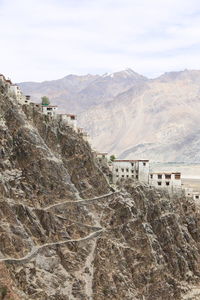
(130, 115)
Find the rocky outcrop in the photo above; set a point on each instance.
(65, 235)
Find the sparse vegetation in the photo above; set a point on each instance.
(112, 157)
(45, 100)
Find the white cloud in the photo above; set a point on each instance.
(50, 39)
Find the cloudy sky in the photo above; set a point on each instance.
(52, 38)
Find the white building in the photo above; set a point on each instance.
(134, 169)
(169, 181)
(188, 192)
(71, 120)
(15, 91)
(49, 110)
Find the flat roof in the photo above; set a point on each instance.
(102, 153)
(49, 105)
(165, 173)
(71, 115)
(131, 160)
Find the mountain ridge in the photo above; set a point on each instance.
(124, 109)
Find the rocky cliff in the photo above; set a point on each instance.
(64, 235)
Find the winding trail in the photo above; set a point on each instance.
(36, 249)
(84, 201)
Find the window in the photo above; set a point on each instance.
(159, 176)
(122, 175)
(132, 171)
(178, 176)
(49, 108)
(117, 175)
(151, 176)
(132, 176)
(136, 176)
(116, 170)
(159, 183)
(127, 176)
(122, 170)
(48, 113)
(197, 197)
(144, 164)
(127, 170)
(167, 182)
(167, 176)
(132, 164)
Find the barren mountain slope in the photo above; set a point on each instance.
(160, 121)
(65, 236)
(131, 116)
(78, 93)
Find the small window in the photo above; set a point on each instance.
(136, 176)
(159, 183)
(49, 108)
(167, 176)
(177, 176)
(197, 197)
(116, 170)
(132, 171)
(127, 176)
(122, 170)
(132, 176)
(132, 164)
(122, 175)
(144, 164)
(127, 170)
(117, 175)
(151, 176)
(159, 176)
(167, 182)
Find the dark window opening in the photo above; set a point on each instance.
(167, 183)
(159, 176)
(159, 183)
(167, 176)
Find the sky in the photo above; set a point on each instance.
(49, 39)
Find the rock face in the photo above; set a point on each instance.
(132, 116)
(64, 235)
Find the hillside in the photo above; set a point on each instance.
(64, 235)
(131, 116)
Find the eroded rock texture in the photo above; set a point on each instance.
(64, 235)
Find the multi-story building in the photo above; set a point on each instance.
(49, 110)
(169, 181)
(135, 169)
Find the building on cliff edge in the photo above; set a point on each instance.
(135, 169)
(169, 181)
